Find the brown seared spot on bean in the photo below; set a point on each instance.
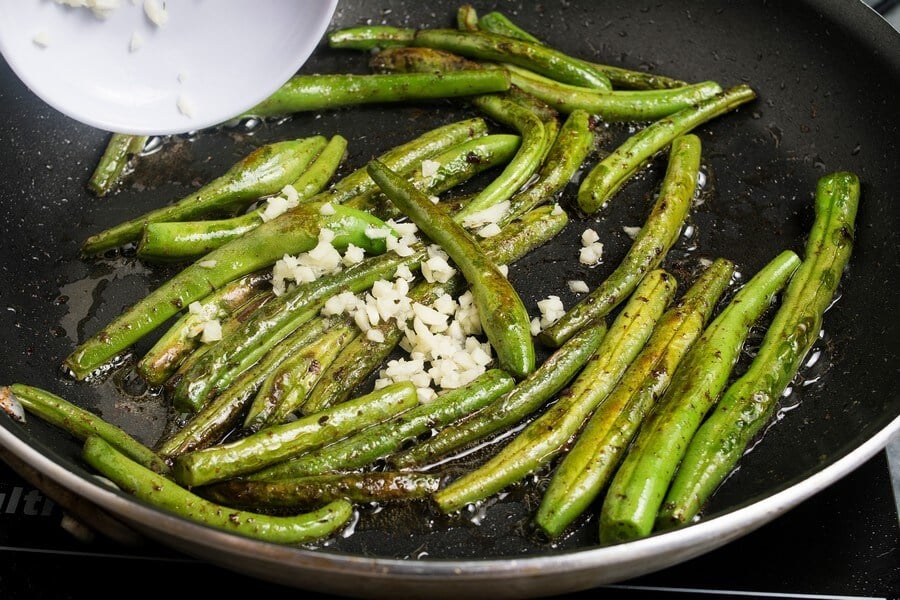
(323, 420)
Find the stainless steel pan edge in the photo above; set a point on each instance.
(377, 578)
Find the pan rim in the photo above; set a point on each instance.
(599, 565)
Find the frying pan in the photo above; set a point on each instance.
(828, 75)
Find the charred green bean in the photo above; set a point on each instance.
(637, 489)
(81, 423)
(280, 442)
(312, 490)
(545, 437)
(611, 173)
(504, 317)
(747, 405)
(659, 232)
(263, 172)
(137, 480)
(586, 468)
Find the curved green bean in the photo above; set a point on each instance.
(528, 396)
(81, 423)
(659, 232)
(499, 23)
(134, 479)
(181, 240)
(281, 442)
(612, 105)
(504, 318)
(370, 445)
(263, 172)
(637, 489)
(291, 233)
(572, 145)
(327, 91)
(611, 173)
(747, 405)
(587, 467)
(545, 437)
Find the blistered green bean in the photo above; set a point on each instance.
(657, 235)
(587, 467)
(637, 489)
(545, 437)
(748, 404)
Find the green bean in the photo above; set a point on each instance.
(278, 318)
(546, 436)
(281, 442)
(264, 171)
(528, 396)
(363, 355)
(221, 414)
(659, 232)
(611, 173)
(120, 150)
(215, 369)
(303, 93)
(527, 159)
(504, 108)
(161, 492)
(372, 444)
(612, 105)
(488, 46)
(456, 165)
(405, 156)
(504, 317)
(587, 467)
(180, 240)
(497, 22)
(569, 150)
(290, 233)
(286, 389)
(747, 405)
(158, 363)
(370, 37)
(637, 489)
(81, 423)
(377, 487)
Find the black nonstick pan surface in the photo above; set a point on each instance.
(827, 74)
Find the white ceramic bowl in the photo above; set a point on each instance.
(209, 61)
